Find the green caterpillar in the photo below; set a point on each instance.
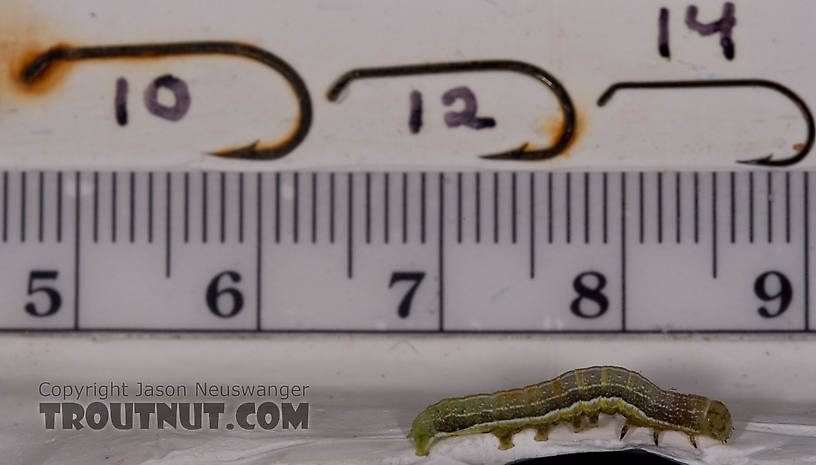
(567, 398)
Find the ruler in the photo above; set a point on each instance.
(407, 251)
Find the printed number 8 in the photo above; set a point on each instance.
(589, 292)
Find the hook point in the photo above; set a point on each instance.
(247, 152)
(761, 161)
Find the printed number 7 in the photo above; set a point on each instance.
(415, 276)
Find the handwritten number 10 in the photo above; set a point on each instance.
(175, 112)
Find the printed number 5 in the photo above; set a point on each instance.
(54, 298)
(416, 277)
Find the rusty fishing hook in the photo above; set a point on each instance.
(34, 70)
(521, 153)
(761, 161)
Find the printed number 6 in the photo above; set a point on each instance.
(214, 294)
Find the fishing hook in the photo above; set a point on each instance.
(521, 153)
(255, 151)
(761, 161)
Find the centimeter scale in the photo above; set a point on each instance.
(387, 252)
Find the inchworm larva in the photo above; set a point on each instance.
(567, 398)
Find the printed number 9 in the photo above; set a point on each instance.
(784, 293)
(215, 294)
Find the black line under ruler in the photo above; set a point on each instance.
(407, 251)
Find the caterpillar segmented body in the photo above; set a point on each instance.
(568, 398)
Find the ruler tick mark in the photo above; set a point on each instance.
(368, 208)
(550, 207)
(513, 206)
(806, 244)
(23, 206)
(331, 208)
(150, 207)
(41, 207)
(296, 208)
(605, 208)
(678, 190)
(732, 182)
(114, 206)
(59, 206)
(277, 207)
(459, 207)
(168, 222)
(314, 207)
(532, 225)
(222, 206)
(586, 207)
(204, 212)
(77, 230)
(350, 234)
(569, 207)
(132, 211)
(495, 207)
(96, 206)
(659, 207)
(422, 207)
(240, 208)
(478, 208)
(404, 208)
(769, 206)
(386, 207)
(751, 207)
(623, 251)
(259, 247)
(696, 208)
(441, 254)
(640, 206)
(186, 207)
(787, 208)
(714, 223)
(5, 205)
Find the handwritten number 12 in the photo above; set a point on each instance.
(466, 117)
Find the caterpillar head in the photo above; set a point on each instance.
(423, 432)
(717, 423)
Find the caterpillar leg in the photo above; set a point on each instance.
(505, 438)
(655, 435)
(577, 424)
(593, 419)
(625, 429)
(693, 440)
(542, 433)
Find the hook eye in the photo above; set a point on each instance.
(766, 160)
(520, 153)
(255, 151)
